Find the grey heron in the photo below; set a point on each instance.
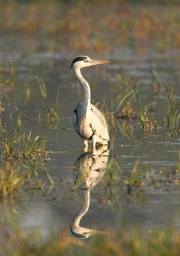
(89, 122)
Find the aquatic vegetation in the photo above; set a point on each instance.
(16, 145)
(127, 23)
(136, 182)
(129, 112)
(53, 117)
(156, 85)
(155, 242)
(18, 178)
(119, 185)
(173, 113)
(133, 116)
(10, 182)
(148, 124)
(113, 173)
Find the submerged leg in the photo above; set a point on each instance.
(97, 142)
(94, 140)
(85, 145)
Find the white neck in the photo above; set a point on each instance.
(84, 209)
(84, 85)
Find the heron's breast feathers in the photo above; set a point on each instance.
(90, 122)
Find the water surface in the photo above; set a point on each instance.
(25, 59)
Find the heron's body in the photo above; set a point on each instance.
(89, 122)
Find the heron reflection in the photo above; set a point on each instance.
(89, 170)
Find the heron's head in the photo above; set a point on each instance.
(83, 233)
(85, 61)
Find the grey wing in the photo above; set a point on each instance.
(98, 123)
(81, 122)
(76, 118)
(77, 113)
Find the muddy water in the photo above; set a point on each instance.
(62, 206)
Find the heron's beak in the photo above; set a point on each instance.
(98, 62)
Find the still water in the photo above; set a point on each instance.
(90, 208)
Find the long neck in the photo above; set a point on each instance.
(85, 87)
(83, 211)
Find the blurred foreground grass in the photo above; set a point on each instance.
(156, 243)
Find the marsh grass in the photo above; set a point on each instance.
(16, 145)
(17, 178)
(136, 182)
(173, 112)
(125, 22)
(119, 185)
(132, 116)
(52, 118)
(10, 182)
(156, 242)
(148, 124)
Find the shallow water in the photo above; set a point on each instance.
(154, 206)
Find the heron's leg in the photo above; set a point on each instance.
(94, 140)
(85, 145)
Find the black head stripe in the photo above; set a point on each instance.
(80, 58)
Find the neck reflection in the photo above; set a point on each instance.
(89, 171)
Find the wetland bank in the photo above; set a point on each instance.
(134, 197)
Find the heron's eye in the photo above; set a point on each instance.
(86, 60)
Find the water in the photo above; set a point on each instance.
(154, 206)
